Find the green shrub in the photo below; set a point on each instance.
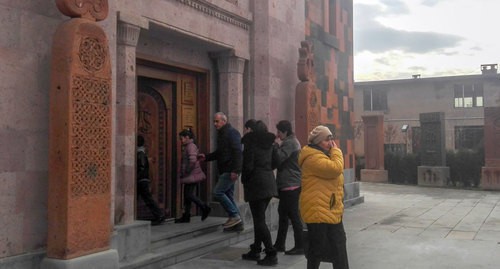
(465, 167)
(402, 169)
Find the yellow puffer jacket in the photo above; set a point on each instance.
(322, 194)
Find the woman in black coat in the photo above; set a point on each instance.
(259, 186)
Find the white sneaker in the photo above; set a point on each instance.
(231, 222)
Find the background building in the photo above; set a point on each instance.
(461, 98)
(174, 64)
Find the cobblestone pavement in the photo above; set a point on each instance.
(403, 227)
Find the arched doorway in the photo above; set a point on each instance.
(167, 102)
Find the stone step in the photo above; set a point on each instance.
(170, 232)
(173, 243)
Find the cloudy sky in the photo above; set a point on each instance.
(394, 39)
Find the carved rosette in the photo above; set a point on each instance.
(96, 10)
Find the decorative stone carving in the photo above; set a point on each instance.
(307, 105)
(218, 13)
(490, 177)
(80, 134)
(374, 150)
(305, 66)
(374, 141)
(433, 171)
(96, 10)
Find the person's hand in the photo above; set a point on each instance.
(234, 176)
(333, 144)
(277, 140)
(201, 157)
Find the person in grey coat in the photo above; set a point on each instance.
(285, 156)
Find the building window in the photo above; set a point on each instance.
(468, 137)
(375, 100)
(468, 95)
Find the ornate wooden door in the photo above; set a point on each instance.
(167, 103)
(155, 125)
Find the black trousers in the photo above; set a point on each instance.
(261, 231)
(145, 194)
(326, 242)
(288, 208)
(190, 197)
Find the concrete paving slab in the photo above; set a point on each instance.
(379, 236)
(461, 235)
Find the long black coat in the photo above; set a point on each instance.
(257, 170)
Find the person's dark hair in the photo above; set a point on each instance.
(285, 126)
(140, 141)
(260, 127)
(187, 132)
(250, 124)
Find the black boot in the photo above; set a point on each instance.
(205, 212)
(253, 254)
(313, 263)
(279, 247)
(271, 258)
(184, 219)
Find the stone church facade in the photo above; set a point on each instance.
(174, 63)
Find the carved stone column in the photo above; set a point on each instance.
(433, 170)
(231, 70)
(127, 37)
(374, 150)
(490, 172)
(79, 202)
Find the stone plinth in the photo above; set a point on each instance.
(490, 178)
(132, 240)
(102, 260)
(437, 176)
(373, 175)
(352, 194)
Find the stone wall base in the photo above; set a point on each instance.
(131, 240)
(373, 175)
(102, 260)
(437, 176)
(490, 178)
(352, 194)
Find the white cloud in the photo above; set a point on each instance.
(447, 37)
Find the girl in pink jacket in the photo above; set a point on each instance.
(191, 175)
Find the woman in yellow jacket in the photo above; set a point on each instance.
(321, 199)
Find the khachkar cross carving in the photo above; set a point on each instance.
(307, 100)
(80, 133)
(305, 66)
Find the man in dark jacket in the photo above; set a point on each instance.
(229, 158)
(143, 182)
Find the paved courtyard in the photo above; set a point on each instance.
(403, 227)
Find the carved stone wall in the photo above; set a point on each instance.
(432, 142)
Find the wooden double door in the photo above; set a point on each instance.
(167, 102)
